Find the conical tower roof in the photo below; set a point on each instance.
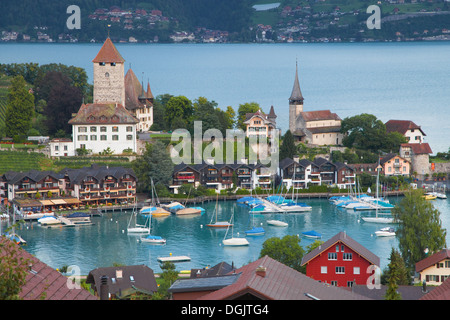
(108, 54)
(296, 94)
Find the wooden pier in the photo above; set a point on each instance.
(174, 259)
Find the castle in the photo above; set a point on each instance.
(121, 107)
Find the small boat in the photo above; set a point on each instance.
(277, 223)
(154, 209)
(79, 217)
(173, 207)
(378, 219)
(188, 211)
(30, 215)
(429, 196)
(385, 232)
(134, 227)
(153, 239)
(16, 238)
(160, 212)
(48, 220)
(147, 209)
(255, 231)
(217, 224)
(312, 234)
(234, 242)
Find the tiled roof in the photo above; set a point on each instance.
(347, 240)
(269, 279)
(433, 259)
(108, 53)
(401, 126)
(103, 113)
(133, 91)
(319, 115)
(406, 292)
(203, 283)
(439, 293)
(43, 282)
(418, 148)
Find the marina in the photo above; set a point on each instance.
(105, 241)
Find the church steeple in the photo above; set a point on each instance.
(295, 103)
(296, 95)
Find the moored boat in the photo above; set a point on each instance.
(385, 232)
(312, 234)
(277, 223)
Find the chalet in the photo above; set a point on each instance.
(419, 156)
(20, 184)
(123, 281)
(295, 173)
(335, 173)
(435, 269)
(340, 261)
(411, 131)
(260, 124)
(268, 279)
(394, 165)
(43, 282)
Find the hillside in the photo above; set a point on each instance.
(224, 21)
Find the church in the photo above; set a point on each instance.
(320, 127)
(121, 107)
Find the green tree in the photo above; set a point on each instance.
(19, 108)
(287, 148)
(243, 109)
(363, 131)
(154, 163)
(420, 228)
(396, 275)
(286, 250)
(178, 110)
(168, 277)
(13, 270)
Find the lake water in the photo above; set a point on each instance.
(107, 242)
(407, 81)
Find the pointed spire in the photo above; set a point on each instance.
(149, 92)
(108, 53)
(296, 95)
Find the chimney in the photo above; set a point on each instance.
(261, 271)
(424, 287)
(104, 288)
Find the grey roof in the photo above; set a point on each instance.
(203, 283)
(406, 292)
(296, 94)
(99, 173)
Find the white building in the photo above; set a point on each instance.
(61, 147)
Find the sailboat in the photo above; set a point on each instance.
(155, 210)
(234, 241)
(218, 224)
(152, 238)
(137, 228)
(255, 231)
(378, 219)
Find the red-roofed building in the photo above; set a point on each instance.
(434, 269)
(411, 131)
(268, 279)
(419, 156)
(340, 261)
(43, 282)
(439, 293)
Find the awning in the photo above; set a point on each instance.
(58, 201)
(46, 202)
(72, 200)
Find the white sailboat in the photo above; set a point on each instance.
(378, 219)
(277, 223)
(234, 241)
(217, 224)
(134, 227)
(152, 238)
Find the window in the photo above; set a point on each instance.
(115, 137)
(82, 129)
(129, 137)
(93, 137)
(115, 129)
(349, 284)
(56, 148)
(65, 148)
(103, 137)
(337, 248)
(347, 256)
(113, 64)
(101, 63)
(107, 74)
(129, 129)
(332, 256)
(447, 263)
(102, 129)
(93, 129)
(323, 269)
(340, 270)
(82, 137)
(356, 270)
(334, 283)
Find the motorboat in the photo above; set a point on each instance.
(48, 220)
(79, 217)
(277, 223)
(312, 234)
(31, 215)
(385, 232)
(173, 207)
(429, 196)
(378, 219)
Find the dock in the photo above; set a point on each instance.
(174, 259)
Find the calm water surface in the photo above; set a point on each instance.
(390, 80)
(106, 242)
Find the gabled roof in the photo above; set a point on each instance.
(134, 92)
(132, 278)
(390, 156)
(103, 113)
(418, 148)
(433, 259)
(203, 283)
(319, 115)
(260, 114)
(98, 172)
(108, 54)
(45, 282)
(219, 269)
(401, 126)
(269, 279)
(439, 293)
(348, 241)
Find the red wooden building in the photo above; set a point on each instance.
(341, 261)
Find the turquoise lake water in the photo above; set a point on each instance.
(406, 81)
(107, 242)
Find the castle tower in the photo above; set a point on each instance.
(295, 102)
(109, 75)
